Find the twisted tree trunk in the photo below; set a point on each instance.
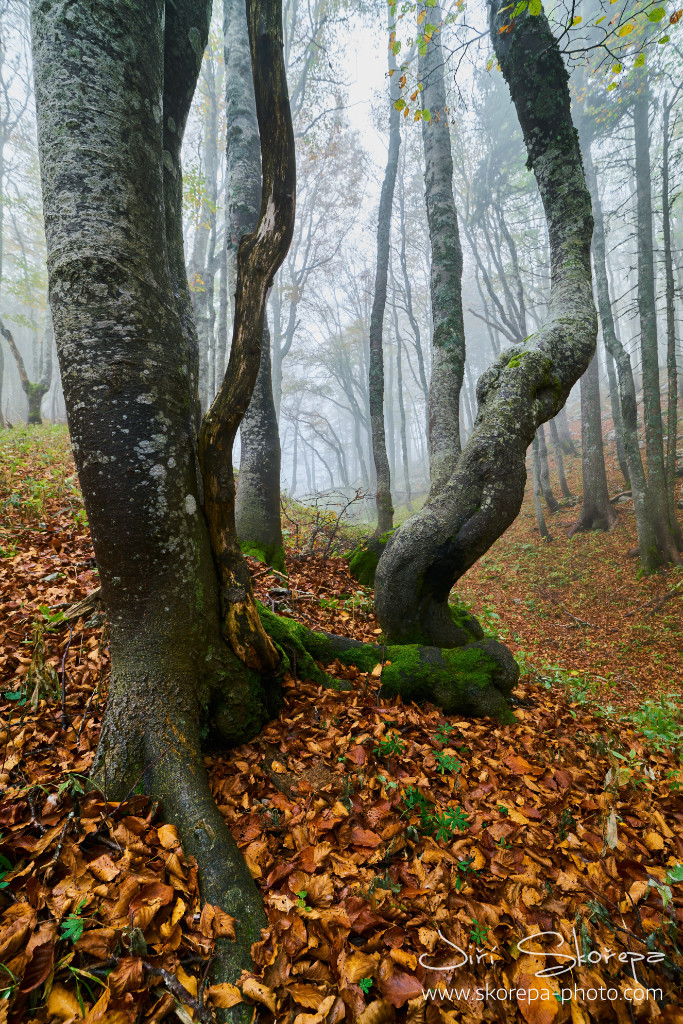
(448, 340)
(528, 384)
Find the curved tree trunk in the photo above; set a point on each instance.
(596, 513)
(123, 323)
(527, 385)
(257, 506)
(448, 340)
(385, 510)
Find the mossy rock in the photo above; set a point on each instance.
(273, 555)
(365, 558)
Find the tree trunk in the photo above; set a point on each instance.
(448, 340)
(544, 471)
(652, 410)
(401, 405)
(566, 493)
(615, 406)
(568, 446)
(257, 507)
(112, 194)
(385, 511)
(647, 541)
(536, 479)
(596, 513)
(35, 392)
(527, 385)
(672, 371)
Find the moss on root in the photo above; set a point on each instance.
(469, 680)
(273, 555)
(365, 558)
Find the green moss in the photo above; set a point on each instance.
(300, 647)
(273, 555)
(365, 558)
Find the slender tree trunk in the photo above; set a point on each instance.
(596, 513)
(401, 405)
(652, 410)
(222, 327)
(566, 493)
(617, 420)
(568, 446)
(536, 477)
(647, 540)
(257, 505)
(672, 372)
(528, 385)
(385, 511)
(448, 339)
(544, 471)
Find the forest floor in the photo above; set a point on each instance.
(381, 835)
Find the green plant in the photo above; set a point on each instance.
(446, 762)
(365, 984)
(72, 926)
(301, 900)
(385, 882)
(5, 866)
(479, 932)
(389, 747)
(660, 722)
(464, 867)
(52, 619)
(443, 733)
(566, 823)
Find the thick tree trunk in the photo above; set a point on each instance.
(647, 541)
(448, 339)
(652, 410)
(112, 193)
(385, 510)
(527, 385)
(257, 506)
(596, 513)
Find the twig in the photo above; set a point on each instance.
(177, 989)
(657, 602)
(65, 716)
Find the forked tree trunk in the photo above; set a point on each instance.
(647, 541)
(257, 506)
(112, 194)
(528, 384)
(385, 510)
(448, 339)
(596, 513)
(34, 391)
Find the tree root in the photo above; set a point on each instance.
(473, 679)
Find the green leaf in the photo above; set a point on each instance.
(365, 984)
(664, 39)
(426, 114)
(675, 874)
(396, 47)
(399, 104)
(625, 30)
(535, 8)
(657, 14)
(612, 86)
(639, 61)
(521, 6)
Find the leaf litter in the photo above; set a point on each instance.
(390, 843)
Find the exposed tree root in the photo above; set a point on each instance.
(473, 679)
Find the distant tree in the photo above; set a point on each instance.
(35, 391)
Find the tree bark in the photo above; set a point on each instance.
(528, 384)
(257, 506)
(617, 420)
(536, 479)
(647, 540)
(448, 340)
(596, 513)
(112, 193)
(385, 510)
